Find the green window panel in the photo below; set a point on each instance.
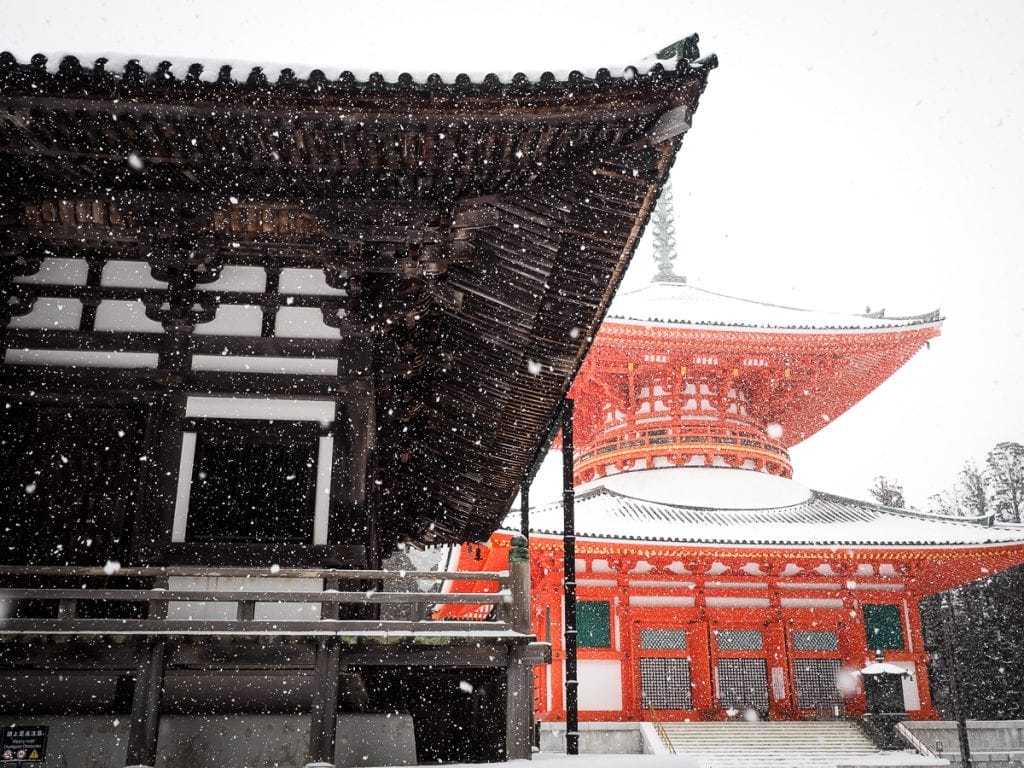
(593, 624)
(883, 627)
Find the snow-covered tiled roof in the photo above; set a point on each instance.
(681, 55)
(678, 303)
(821, 519)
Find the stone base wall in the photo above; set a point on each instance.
(226, 741)
(595, 738)
(994, 743)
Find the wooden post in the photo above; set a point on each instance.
(524, 509)
(324, 713)
(572, 736)
(519, 688)
(145, 723)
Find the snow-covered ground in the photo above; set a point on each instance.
(553, 760)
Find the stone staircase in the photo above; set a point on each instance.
(810, 744)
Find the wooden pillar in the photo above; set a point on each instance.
(145, 723)
(524, 509)
(572, 736)
(519, 675)
(323, 716)
(352, 517)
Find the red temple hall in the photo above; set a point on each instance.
(711, 583)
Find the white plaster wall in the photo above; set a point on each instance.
(600, 684)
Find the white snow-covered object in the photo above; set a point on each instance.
(883, 668)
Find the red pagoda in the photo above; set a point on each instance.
(710, 582)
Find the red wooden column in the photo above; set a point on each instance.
(854, 650)
(777, 657)
(921, 656)
(629, 642)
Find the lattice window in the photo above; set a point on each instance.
(665, 683)
(883, 627)
(739, 640)
(593, 624)
(816, 683)
(743, 683)
(813, 640)
(663, 639)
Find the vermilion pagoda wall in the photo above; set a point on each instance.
(751, 595)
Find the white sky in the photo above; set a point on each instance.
(845, 154)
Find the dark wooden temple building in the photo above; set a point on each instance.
(258, 329)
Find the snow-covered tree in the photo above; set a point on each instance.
(973, 491)
(1006, 473)
(888, 492)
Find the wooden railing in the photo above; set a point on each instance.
(673, 438)
(61, 592)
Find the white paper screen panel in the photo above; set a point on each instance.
(233, 320)
(259, 408)
(310, 282)
(303, 323)
(237, 278)
(58, 272)
(125, 316)
(50, 314)
(292, 365)
(86, 359)
(129, 274)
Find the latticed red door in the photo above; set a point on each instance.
(815, 669)
(739, 670)
(671, 668)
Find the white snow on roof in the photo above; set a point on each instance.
(678, 303)
(711, 487)
(179, 66)
(820, 519)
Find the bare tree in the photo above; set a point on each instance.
(1006, 473)
(888, 492)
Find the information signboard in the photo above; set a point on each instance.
(24, 743)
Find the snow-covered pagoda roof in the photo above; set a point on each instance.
(720, 506)
(675, 302)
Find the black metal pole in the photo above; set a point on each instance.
(524, 509)
(949, 646)
(572, 736)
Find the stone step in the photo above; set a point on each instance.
(768, 745)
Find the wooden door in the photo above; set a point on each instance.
(671, 668)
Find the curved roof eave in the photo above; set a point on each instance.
(825, 520)
(682, 57)
(680, 305)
